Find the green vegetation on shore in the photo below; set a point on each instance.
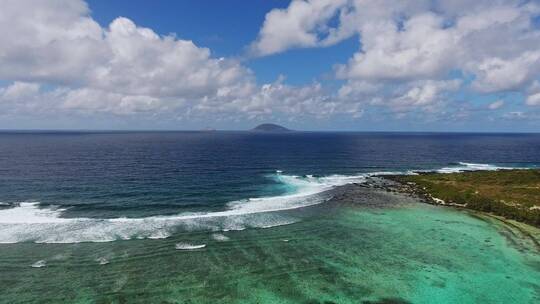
(514, 194)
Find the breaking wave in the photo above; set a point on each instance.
(187, 246)
(462, 167)
(28, 222)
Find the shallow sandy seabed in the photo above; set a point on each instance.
(348, 253)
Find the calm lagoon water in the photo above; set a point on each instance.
(239, 217)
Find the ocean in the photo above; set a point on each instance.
(246, 217)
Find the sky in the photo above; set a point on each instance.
(355, 65)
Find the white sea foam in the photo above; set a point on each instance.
(27, 212)
(28, 222)
(39, 264)
(59, 257)
(220, 237)
(187, 246)
(463, 167)
(159, 234)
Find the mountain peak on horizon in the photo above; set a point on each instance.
(270, 127)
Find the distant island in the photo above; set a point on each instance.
(268, 127)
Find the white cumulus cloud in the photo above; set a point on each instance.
(59, 59)
(493, 43)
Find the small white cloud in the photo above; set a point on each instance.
(496, 74)
(496, 105)
(422, 49)
(533, 100)
(516, 115)
(299, 25)
(19, 90)
(426, 92)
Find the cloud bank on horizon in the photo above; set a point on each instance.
(436, 60)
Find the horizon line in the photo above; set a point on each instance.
(250, 130)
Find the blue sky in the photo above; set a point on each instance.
(227, 28)
(435, 65)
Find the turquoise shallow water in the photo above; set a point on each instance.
(413, 253)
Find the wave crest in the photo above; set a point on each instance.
(27, 222)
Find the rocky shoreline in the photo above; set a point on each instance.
(388, 186)
(375, 192)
